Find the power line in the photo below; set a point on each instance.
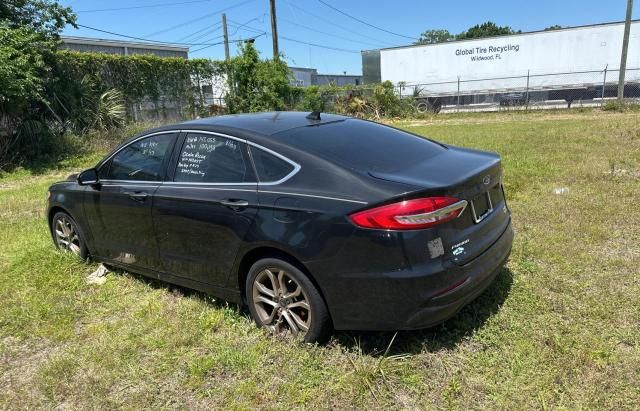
(210, 40)
(206, 28)
(238, 26)
(249, 21)
(364, 22)
(326, 33)
(230, 41)
(206, 16)
(339, 26)
(245, 27)
(205, 34)
(252, 29)
(145, 39)
(210, 30)
(320, 45)
(148, 6)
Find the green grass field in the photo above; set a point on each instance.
(560, 328)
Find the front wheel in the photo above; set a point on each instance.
(67, 235)
(282, 299)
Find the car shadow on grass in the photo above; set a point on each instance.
(441, 337)
(177, 291)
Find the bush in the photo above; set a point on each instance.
(371, 101)
(23, 74)
(254, 84)
(385, 103)
(312, 99)
(615, 105)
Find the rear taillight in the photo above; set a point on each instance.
(410, 214)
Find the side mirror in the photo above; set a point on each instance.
(88, 177)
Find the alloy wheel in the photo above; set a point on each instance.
(280, 303)
(66, 235)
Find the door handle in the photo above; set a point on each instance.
(137, 195)
(234, 204)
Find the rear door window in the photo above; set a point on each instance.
(207, 158)
(269, 167)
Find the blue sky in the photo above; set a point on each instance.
(310, 21)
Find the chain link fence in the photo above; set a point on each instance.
(527, 91)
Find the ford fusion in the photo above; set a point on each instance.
(314, 221)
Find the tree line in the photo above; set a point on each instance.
(487, 29)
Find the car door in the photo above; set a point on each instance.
(202, 216)
(118, 209)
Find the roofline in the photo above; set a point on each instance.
(122, 43)
(340, 75)
(501, 36)
(201, 122)
(322, 74)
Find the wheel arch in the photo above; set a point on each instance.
(52, 212)
(57, 208)
(258, 253)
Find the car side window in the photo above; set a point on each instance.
(141, 160)
(206, 158)
(269, 167)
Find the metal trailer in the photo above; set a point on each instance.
(577, 63)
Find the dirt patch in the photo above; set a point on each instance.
(19, 364)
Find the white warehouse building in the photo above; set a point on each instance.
(568, 63)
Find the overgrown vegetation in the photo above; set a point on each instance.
(159, 81)
(254, 84)
(28, 36)
(374, 101)
(559, 329)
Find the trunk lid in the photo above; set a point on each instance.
(471, 175)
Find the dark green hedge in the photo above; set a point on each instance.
(138, 77)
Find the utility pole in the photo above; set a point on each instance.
(625, 48)
(274, 30)
(226, 36)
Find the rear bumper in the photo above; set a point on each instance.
(415, 298)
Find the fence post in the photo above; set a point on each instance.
(526, 101)
(458, 103)
(604, 83)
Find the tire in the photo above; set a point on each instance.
(67, 235)
(428, 105)
(284, 312)
(422, 107)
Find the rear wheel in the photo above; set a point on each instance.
(67, 235)
(282, 299)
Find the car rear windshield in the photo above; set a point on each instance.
(363, 145)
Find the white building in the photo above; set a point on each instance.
(572, 58)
